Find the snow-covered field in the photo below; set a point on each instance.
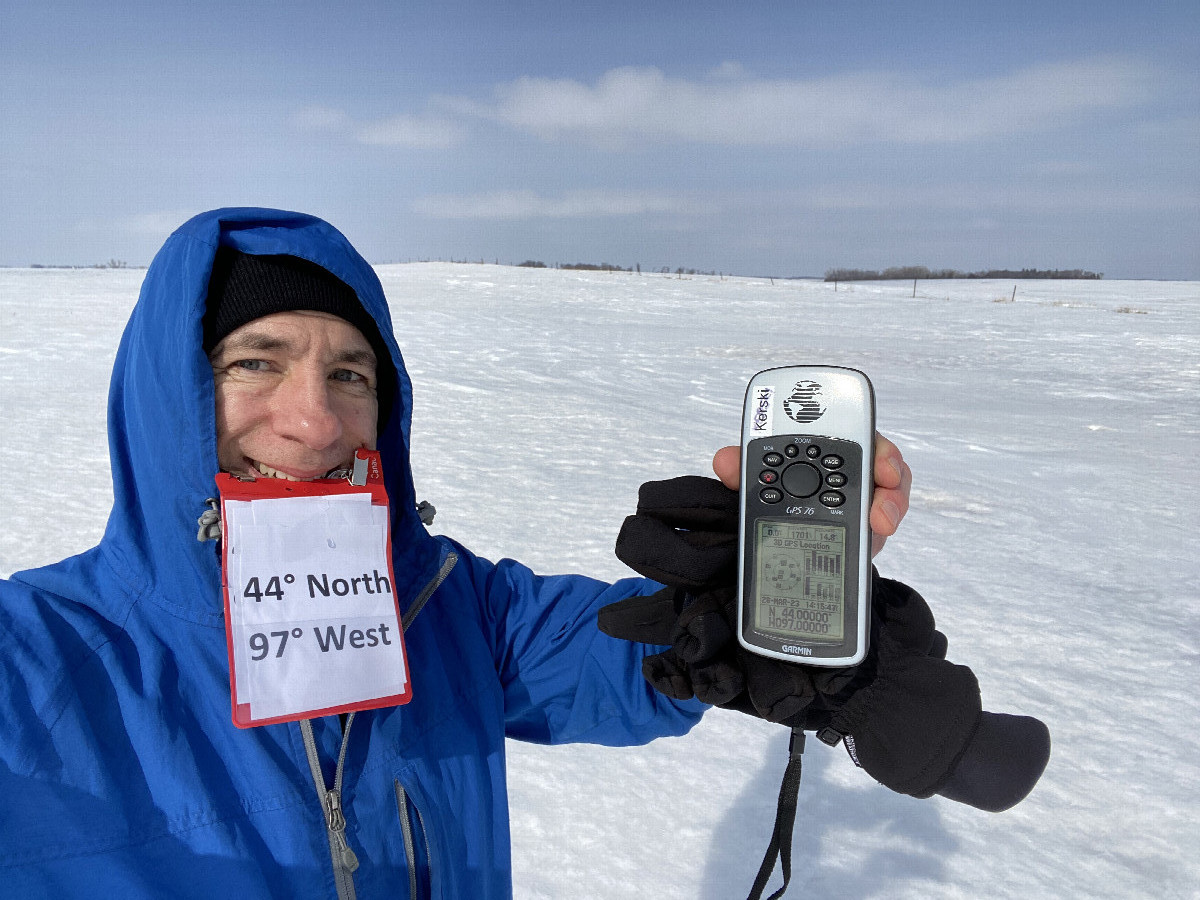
(1053, 530)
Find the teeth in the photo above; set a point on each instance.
(268, 472)
(264, 469)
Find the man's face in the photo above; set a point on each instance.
(295, 395)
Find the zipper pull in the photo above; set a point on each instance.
(336, 822)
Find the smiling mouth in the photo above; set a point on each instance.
(258, 469)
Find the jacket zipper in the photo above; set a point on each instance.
(410, 853)
(344, 859)
(345, 862)
(443, 572)
(403, 805)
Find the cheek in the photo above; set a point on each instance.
(365, 426)
(221, 413)
(236, 411)
(358, 416)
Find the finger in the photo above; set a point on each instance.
(647, 619)
(681, 559)
(778, 690)
(727, 465)
(877, 542)
(888, 509)
(691, 502)
(718, 682)
(702, 631)
(905, 618)
(890, 505)
(889, 463)
(667, 675)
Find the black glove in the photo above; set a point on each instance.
(685, 536)
(910, 717)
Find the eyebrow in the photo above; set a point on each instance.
(358, 357)
(252, 340)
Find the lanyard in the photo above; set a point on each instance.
(785, 818)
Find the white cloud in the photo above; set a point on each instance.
(1034, 194)
(321, 118)
(415, 132)
(641, 104)
(530, 205)
(729, 69)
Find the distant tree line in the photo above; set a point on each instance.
(609, 267)
(585, 267)
(111, 264)
(908, 273)
(593, 267)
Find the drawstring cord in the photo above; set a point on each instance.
(210, 521)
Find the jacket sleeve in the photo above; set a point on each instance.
(563, 679)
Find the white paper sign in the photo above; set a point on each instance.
(313, 625)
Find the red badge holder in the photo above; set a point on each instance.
(296, 648)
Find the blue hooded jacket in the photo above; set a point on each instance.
(121, 773)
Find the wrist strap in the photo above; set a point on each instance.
(785, 820)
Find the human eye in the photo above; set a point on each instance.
(348, 376)
(251, 365)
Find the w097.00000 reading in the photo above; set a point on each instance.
(798, 589)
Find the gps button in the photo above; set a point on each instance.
(801, 480)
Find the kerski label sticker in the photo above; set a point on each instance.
(760, 409)
(311, 617)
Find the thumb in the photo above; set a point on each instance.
(648, 619)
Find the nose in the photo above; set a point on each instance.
(305, 411)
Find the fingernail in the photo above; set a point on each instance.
(892, 511)
(895, 468)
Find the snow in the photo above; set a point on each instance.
(1053, 530)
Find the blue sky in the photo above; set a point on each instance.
(779, 138)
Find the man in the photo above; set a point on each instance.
(262, 345)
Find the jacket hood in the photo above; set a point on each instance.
(161, 412)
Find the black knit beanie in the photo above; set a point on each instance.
(244, 287)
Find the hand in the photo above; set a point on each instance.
(918, 726)
(893, 483)
(911, 719)
(684, 535)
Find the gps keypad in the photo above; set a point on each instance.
(804, 479)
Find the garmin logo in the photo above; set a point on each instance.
(799, 651)
(762, 409)
(804, 406)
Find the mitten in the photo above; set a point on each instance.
(909, 717)
(684, 535)
(918, 726)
